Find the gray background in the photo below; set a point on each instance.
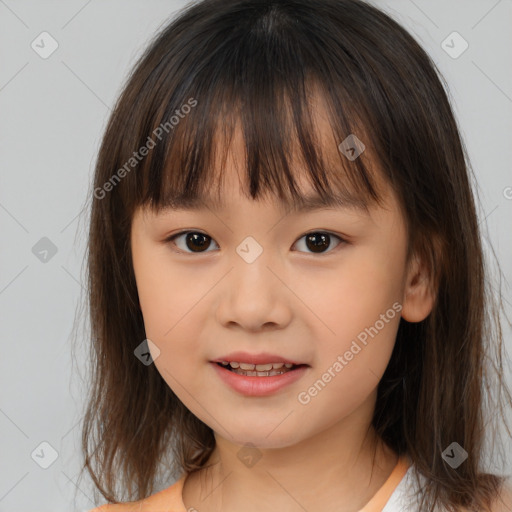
(53, 113)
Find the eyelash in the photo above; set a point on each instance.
(342, 241)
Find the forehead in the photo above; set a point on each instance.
(232, 188)
(265, 163)
(228, 182)
(306, 203)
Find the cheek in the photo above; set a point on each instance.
(359, 310)
(155, 288)
(353, 296)
(168, 301)
(165, 294)
(362, 313)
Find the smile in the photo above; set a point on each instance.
(251, 382)
(257, 370)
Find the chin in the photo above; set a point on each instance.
(266, 440)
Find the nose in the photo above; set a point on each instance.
(254, 296)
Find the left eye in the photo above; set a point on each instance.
(319, 240)
(316, 241)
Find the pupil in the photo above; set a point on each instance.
(198, 238)
(322, 241)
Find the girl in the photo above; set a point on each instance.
(287, 288)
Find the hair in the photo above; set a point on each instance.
(256, 64)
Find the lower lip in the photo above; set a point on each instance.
(258, 386)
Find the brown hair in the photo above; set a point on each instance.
(256, 62)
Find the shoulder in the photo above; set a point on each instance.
(132, 506)
(119, 507)
(145, 505)
(163, 501)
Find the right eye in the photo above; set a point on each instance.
(195, 241)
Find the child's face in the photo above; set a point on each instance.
(305, 306)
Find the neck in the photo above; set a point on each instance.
(338, 469)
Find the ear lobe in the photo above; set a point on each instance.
(418, 299)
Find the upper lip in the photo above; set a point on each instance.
(261, 358)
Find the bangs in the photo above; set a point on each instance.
(272, 91)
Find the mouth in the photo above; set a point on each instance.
(259, 370)
(258, 380)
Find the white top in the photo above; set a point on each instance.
(405, 497)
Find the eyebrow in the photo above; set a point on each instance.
(302, 205)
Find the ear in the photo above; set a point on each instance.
(418, 299)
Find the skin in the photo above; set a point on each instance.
(291, 301)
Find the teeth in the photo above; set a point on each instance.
(263, 367)
(270, 373)
(257, 367)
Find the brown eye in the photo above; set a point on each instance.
(193, 241)
(318, 241)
